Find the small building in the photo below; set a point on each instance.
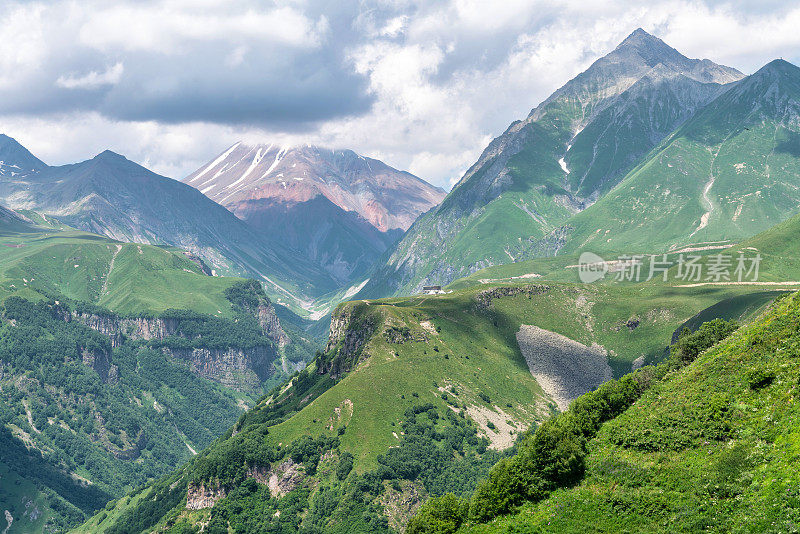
(432, 290)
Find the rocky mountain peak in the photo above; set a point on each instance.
(16, 159)
(649, 47)
(778, 68)
(244, 174)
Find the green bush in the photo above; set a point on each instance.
(440, 515)
(345, 466)
(691, 344)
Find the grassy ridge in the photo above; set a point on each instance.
(455, 352)
(126, 278)
(662, 466)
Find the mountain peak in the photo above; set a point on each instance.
(640, 37)
(778, 66)
(15, 156)
(649, 48)
(108, 155)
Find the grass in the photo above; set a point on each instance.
(126, 278)
(647, 472)
(483, 355)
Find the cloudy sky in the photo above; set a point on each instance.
(422, 85)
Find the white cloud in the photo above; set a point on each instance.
(443, 77)
(92, 79)
(168, 27)
(236, 57)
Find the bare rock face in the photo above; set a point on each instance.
(203, 496)
(283, 478)
(118, 328)
(100, 361)
(401, 506)
(350, 331)
(239, 369)
(270, 324)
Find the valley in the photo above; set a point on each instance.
(595, 329)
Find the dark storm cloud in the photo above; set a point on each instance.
(292, 81)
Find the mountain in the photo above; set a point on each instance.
(15, 160)
(116, 197)
(118, 361)
(729, 172)
(335, 207)
(413, 397)
(700, 443)
(570, 150)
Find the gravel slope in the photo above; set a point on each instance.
(565, 369)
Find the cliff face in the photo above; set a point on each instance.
(242, 369)
(235, 368)
(351, 329)
(118, 328)
(270, 325)
(200, 497)
(100, 361)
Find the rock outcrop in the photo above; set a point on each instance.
(351, 328)
(282, 478)
(235, 368)
(203, 496)
(100, 361)
(270, 324)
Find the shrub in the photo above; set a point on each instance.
(345, 466)
(691, 344)
(440, 515)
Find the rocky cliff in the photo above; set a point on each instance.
(236, 368)
(351, 328)
(242, 368)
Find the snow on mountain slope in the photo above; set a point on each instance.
(386, 197)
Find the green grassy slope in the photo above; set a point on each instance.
(727, 174)
(126, 278)
(662, 467)
(391, 355)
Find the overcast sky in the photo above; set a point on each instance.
(422, 85)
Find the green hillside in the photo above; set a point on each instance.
(709, 446)
(727, 174)
(367, 401)
(517, 201)
(124, 277)
(95, 401)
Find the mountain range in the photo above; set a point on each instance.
(139, 392)
(337, 208)
(564, 177)
(303, 240)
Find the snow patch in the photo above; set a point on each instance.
(352, 290)
(563, 165)
(214, 163)
(278, 157)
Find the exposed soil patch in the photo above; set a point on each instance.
(503, 434)
(428, 326)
